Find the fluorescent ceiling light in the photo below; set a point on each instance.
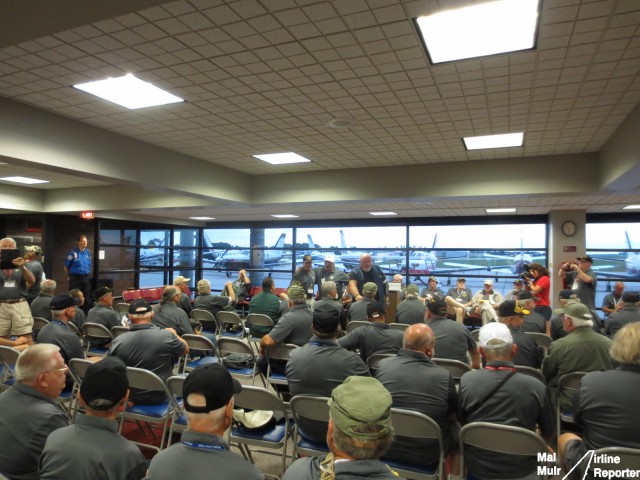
(282, 158)
(202, 218)
(494, 141)
(631, 207)
(26, 180)
(500, 210)
(479, 30)
(129, 91)
(284, 216)
(381, 214)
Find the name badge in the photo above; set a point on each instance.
(310, 290)
(10, 284)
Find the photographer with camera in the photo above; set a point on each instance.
(540, 285)
(581, 279)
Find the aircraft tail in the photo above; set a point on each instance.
(343, 242)
(626, 234)
(280, 242)
(311, 242)
(435, 239)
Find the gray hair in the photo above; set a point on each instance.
(34, 361)
(327, 288)
(497, 348)
(579, 322)
(359, 449)
(48, 286)
(168, 293)
(9, 242)
(625, 348)
(212, 418)
(203, 286)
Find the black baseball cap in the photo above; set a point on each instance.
(461, 279)
(64, 300)
(437, 307)
(101, 292)
(375, 310)
(509, 308)
(524, 295)
(631, 297)
(105, 383)
(214, 382)
(326, 319)
(565, 294)
(139, 305)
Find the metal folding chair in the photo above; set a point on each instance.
(77, 369)
(374, 360)
(456, 367)
(567, 384)
(206, 318)
(542, 340)
(274, 435)
(307, 408)
(38, 324)
(532, 372)
(118, 330)
(279, 352)
(257, 320)
(122, 308)
(399, 326)
(228, 345)
(352, 325)
(95, 331)
(178, 417)
(198, 345)
(8, 357)
(228, 321)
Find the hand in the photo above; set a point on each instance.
(172, 330)
(358, 298)
(21, 341)
(18, 262)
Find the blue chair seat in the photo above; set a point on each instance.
(65, 393)
(157, 410)
(424, 469)
(98, 350)
(281, 377)
(269, 433)
(181, 420)
(311, 444)
(238, 334)
(241, 371)
(202, 361)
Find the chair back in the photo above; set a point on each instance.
(532, 372)
(542, 340)
(258, 319)
(8, 358)
(145, 380)
(77, 369)
(305, 407)
(280, 351)
(230, 319)
(374, 360)
(96, 330)
(198, 342)
(72, 326)
(206, 318)
(119, 330)
(398, 326)
(475, 334)
(39, 323)
(122, 308)
(235, 345)
(353, 324)
(567, 385)
(629, 458)
(179, 419)
(456, 367)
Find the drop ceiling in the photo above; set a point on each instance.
(272, 76)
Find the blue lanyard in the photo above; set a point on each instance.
(203, 446)
(58, 322)
(317, 344)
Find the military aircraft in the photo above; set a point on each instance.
(153, 254)
(239, 259)
(631, 263)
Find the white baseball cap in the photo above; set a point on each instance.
(488, 282)
(330, 258)
(494, 331)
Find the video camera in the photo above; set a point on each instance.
(526, 275)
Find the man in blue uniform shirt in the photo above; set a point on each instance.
(78, 268)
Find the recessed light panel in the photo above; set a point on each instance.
(500, 210)
(282, 158)
(129, 91)
(479, 30)
(202, 218)
(494, 141)
(284, 216)
(382, 214)
(25, 180)
(631, 207)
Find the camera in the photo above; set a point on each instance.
(568, 265)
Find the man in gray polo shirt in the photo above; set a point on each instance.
(358, 310)
(411, 310)
(103, 313)
(169, 315)
(628, 313)
(91, 448)
(40, 306)
(416, 383)
(29, 410)
(203, 453)
(454, 340)
(377, 337)
(147, 346)
(321, 365)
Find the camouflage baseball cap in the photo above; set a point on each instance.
(361, 401)
(412, 290)
(296, 292)
(369, 288)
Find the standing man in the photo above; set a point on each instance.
(364, 273)
(92, 448)
(612, 301)
(16, 322)
(78, 268)
(582, 279)
(31, 254)
(328, 273)
(29, 410)
(307, 277)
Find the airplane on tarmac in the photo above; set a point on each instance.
(239, 259)
(210, 254)
(631, 264)
(318, 255)
(152, 256)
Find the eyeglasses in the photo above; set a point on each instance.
(63, 369)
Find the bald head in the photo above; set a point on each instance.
(365, 262)
(419, 337)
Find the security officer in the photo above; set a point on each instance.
(78, 268)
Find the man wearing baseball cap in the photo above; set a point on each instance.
(92, 448)
(306, 276)
(358, 310)
(148, 346)
(628, 313)
(582, 350)
(377, 337)
(487, 300)
(321, 365)
(359, 433)
(202, 452)
(498, 394)
(185, 298)
(328, 273)
(581, 278)
(103, 313)
(431, 291)
(528, 352)
(555, 324)
(57, 330)
(458, 299)
(411, 310)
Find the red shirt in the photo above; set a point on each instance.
(543, 282)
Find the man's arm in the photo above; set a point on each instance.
(581, 275)
(231, 291)
(476, 363)
(266, 342)
(353, 290)
(27, 274)
(184, 342)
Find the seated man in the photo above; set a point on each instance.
(555, 323)
(498, 394)
(359, 433)
(604, 422)
(416, 383)
(533, 321)
(582, 350)
(58, 332)
(185, 294)
(80, 317)
(92, 448)
(358, 310)
(203, 453)
(454, 339)
(240, 286)
(169, 314)
(528, 352)
(307, 277)
(103, 313)
(267, 303)
(486, 301)
(295, 325)
(40, 305)
(411, 310)
(629, 312)
(431, 291)
(148, 346)
(321, 365)
(329, 298)
(377, 337)
(214, 303)
(29, 410)
(458, 300)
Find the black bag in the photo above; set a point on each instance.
(238, 360)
